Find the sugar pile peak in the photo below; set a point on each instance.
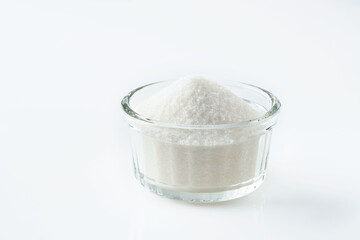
(197, 101)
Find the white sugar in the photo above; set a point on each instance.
(196, 159)
(197, 101)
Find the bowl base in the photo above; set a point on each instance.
(202, 197)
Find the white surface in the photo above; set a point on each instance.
(65, 164)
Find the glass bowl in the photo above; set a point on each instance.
(201, 163)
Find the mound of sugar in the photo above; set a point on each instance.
(197, 101)
(199, 160)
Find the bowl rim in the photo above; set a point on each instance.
(266, 117)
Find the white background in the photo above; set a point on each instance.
(65, 164)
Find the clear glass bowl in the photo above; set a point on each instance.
(201, 163)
